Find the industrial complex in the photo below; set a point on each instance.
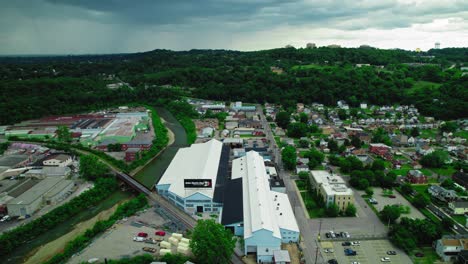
(204, 178)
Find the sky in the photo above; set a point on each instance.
(118, 26)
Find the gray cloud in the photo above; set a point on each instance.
(45, 26)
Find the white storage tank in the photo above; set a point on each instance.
(174, 241)
(183, 244)
(183, 250)
(165, 244)
(177, 235)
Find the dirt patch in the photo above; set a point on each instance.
(293, 252)
(48, 250)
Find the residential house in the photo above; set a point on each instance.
(365, 159)
(400, 140)
(416, 177)
(442, 194)
(448, 247)
(459, 207)
(302, 167)
(364, 137)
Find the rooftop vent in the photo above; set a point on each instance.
(281, 213)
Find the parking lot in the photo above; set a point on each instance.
(117, 242)
(368, 252)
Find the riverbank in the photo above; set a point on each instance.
(171, 137)
(50, 249)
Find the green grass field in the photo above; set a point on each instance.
(460, 219)
(445, 171)
(430, 256)
(428, 133)
(462, 134)
(422, 189)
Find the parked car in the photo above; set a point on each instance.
(346, 244)
(327, 235)
(160, 233)
(355, 243)
(355, 262)
(385, 259)
(5, 218)
(332, 261)
(138, 239)
(350, 252)
(392, 196)
(347, 234)
(329, 250)
(142, 234)
(149, 249)
(391, 252)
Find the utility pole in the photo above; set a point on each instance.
(318, 237)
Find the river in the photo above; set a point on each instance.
(150, 174)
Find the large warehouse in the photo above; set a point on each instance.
(190, 179)
(251, 209)
(49, 190)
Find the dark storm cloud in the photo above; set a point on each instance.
(125, 25)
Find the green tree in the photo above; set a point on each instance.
(378, 164)
(363, 184)
(449, 126)
(435, 159)
(303, 143)
(406, 188)
(369, 191)
(297, 130)
(303, 118)
(212, 243)
(420, 201)
(289, 157)
(332, 210)
(91, 168)
(390, 213)
(342, 114)
(447, 223)
(356, 142)
(333, 146)
(282, 119)
(350, 210)
(415, 132)
(448, 183)
(63, 134)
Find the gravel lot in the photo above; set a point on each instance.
(369, 252)
(118, 242)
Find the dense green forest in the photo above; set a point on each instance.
(35, 86)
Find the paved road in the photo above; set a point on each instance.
(442, 214)
(367, 223)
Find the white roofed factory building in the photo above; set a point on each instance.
(189, 181)
(266, 219)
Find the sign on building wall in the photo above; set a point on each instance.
(197, 183)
